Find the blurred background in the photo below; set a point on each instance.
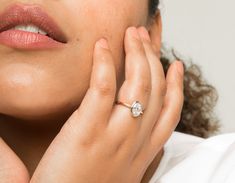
(204, 32)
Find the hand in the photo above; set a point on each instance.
(101, 141)
(12, 170)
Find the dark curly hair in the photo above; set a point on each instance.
(197, 117)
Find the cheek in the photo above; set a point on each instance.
(92, 19)
(104, 18)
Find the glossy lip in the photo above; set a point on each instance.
(19, 14)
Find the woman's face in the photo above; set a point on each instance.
(41, 83)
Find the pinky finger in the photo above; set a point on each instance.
(172, 107)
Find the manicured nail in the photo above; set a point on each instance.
(103, 43)
(180, 67)
(134, 33)
(144, 33)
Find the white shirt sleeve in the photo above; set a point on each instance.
(190, 159)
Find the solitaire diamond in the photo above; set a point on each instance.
(136, 109)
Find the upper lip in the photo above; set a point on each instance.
(18, 14)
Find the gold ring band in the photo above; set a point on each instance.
(123, 103)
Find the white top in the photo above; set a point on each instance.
(191, 159)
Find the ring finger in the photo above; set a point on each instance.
(136, 87)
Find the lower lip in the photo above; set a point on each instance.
(27, 40)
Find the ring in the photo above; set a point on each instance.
(136, 108)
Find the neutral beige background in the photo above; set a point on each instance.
(204, 30)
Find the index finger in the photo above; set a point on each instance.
(97, 104)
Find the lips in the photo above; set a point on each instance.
(19, 14)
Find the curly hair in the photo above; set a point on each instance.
(200, 98)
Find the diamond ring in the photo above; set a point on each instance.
(136, 108)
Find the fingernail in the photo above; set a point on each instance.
(144, 33)
(134, 33)
(103, 43)
(180, 67)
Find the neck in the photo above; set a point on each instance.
(30, 142)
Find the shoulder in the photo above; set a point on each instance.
(188, 158)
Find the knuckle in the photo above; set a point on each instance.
(86, 142)
(104, 88)
(162, 88)
(144, 86)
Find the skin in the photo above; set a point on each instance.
(46, 94)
